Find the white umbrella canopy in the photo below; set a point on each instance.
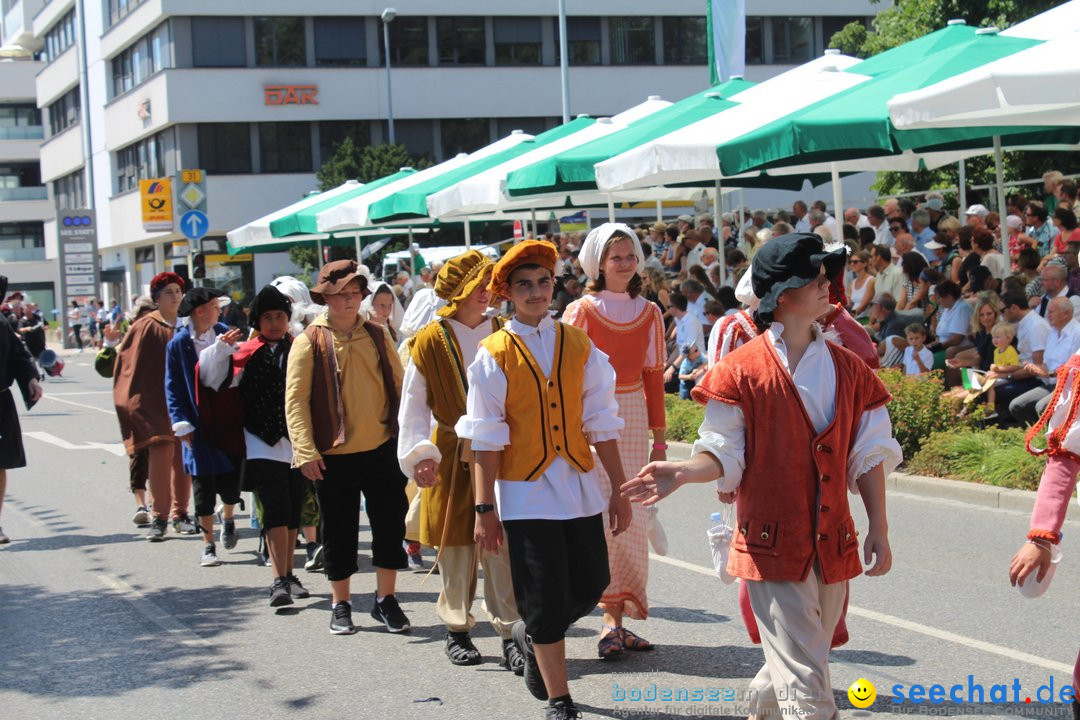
(1053, 23)
(484, 192)
(258, 231)
(689, 154)
(354, 213)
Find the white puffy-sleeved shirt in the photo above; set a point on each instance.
(422, 308)
(414, 415)
(723, 433)
(561, 493)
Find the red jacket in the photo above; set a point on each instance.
(792, 506)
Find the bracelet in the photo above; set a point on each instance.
(1039, 544)
(659, 446)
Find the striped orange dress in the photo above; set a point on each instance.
(630, 331)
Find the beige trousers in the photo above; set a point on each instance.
(796, 621)
(457, 568)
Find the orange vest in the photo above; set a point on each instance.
(792, 506)
(544, 414)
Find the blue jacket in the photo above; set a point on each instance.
(200, 457)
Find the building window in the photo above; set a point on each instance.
(584, 34)
(285, 147)
(279, 42)
(20, 122)
(464, 135)
(461, 40)
(224, 148)
(685, 41)
(517, 41)
(65, 111)
(22, 241)
(755, 41)
(340, 41)
(143, 160)
(20, 175)
(632, 41)
(408, 42)
(68, 193)
(792, 40)
(529, 125)
(332, 132)
(418, 137)
(141, 59)
(60, 37)
(218, 42)
(118, 9)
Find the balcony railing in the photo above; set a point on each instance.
(22, 132)
(33, 192)
(22, 254)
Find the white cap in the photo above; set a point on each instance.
(977, 209)
(1014, 222)
(934, 245)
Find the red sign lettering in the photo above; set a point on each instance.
(290, 94)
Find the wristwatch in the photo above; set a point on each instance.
(484, 508)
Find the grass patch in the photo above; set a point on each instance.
(684, 418)
(991, 456)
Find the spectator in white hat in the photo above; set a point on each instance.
(976, 215)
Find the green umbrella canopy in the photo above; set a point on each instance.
(855, 123)
(412, 202)
(573, 170)
(303, 221)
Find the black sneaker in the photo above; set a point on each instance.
(279, 593)
(513, 660)
(297, 590)
(389, 613)
(534, 681)
(263, 551)
(228, 534)
(158, 526)
(562, 710)
(315, 559)
(460, 649)
(341, 620)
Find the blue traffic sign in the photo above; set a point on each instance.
(194, 224)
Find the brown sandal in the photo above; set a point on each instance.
(634, 642)
(611, 644)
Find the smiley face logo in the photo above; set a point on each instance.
(862, 693)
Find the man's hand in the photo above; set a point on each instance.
(426, 473)
(231, 337)
(313, 469)
(619, 514)
(487, 531)
(1031, 557)
(669, 373)
(876, 546)
(36, 391)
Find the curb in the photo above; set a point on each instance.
(966, 492)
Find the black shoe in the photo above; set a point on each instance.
(460, 649)
(534, 681)
(562, 710)
(315, 559)
(341, 620)
(513, 660)
(228, 534)
(158, 526)
(297, 590)
(279, 593)
(389, 613)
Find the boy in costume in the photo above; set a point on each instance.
(533, 467)
(436, 385)
(790, 384)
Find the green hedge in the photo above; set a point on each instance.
(920, 407)
(991, 456)
(683, 419)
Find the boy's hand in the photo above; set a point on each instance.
(426, 473)
(619, 514)
(655, 481)
(876, 546)
(312, 469)
(487, 531)
(231, 337)
(1029, 558)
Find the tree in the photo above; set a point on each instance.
(351, 161)
(907, 20)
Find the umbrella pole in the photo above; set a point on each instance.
(837, 198)
(610, 208)
(468, 239)
(963, 186)
(412, 254)
(536, 231)
(999, 177)
(318, 253)
(720, 234)
(741, 218)
(359, 248)
(659, 211)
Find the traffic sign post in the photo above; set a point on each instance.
(194, 224)
(80, 271)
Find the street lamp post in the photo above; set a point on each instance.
(388, 16)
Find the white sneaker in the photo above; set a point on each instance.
(141, 517)
(655, 530)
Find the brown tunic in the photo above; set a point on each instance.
(139, 383)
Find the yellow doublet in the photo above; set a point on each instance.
(544, 413)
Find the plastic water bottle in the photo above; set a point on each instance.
(716, 518)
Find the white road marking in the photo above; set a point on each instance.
(79, 404)
(114, 448)
(915, 627)
(154, 612)
(85, 392)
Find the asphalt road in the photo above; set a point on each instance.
(97, 623)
